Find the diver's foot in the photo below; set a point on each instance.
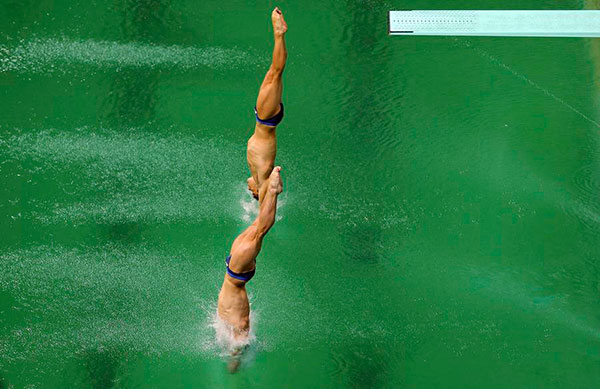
(275, 184)
(279, 24)
(252, 187)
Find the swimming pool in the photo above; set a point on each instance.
(439, 224)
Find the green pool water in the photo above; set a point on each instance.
(439, 226)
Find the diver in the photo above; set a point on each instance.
(262, 145)
(233, 308)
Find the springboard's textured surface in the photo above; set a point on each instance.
(439, 226)
(529, 23)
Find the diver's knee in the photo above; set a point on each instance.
(276, 68)
(274, 73)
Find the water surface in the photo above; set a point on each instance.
(440, 223)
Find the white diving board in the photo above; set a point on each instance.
(584, 23)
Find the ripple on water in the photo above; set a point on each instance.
(586, 207)
(340, 364)
(587, 180)
(364, 364)
(363, 243)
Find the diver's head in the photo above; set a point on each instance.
(252, 187)
(235, 359)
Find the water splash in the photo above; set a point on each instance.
(130, 175)
(49, 55)
(216, 337)
(249, 206)
(225, 338)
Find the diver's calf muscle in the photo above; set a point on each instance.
(262, 146)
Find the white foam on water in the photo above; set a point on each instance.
(251, 208)
(50, 54)
(128, 175)
(217, 337)
(281, 202)
(225, 335)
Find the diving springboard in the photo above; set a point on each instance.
(576, 23)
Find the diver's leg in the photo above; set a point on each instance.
(247, 245)
(269, 94)
(268, 206)
(244, 250)
(262, 146)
